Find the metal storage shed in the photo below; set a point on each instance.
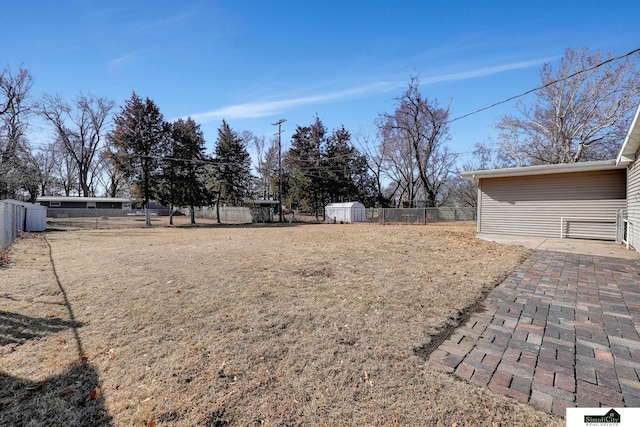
(344, 212)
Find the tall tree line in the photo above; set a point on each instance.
(168, 161)
(322, 167)
(580, 112)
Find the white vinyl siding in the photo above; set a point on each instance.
(633, 204)
(534, 205)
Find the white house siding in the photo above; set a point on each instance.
(533, 205)
(633, 204)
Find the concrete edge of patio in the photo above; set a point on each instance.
(574, 246)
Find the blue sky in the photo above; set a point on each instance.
(255, 62)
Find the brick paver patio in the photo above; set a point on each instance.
(562, 331)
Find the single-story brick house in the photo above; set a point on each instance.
(571, 200)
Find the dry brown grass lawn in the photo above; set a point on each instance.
(288, 325)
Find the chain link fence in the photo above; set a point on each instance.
(420, 215)
(72, 218)
(12, 219)
(231, 214)
(246, 215)
(395, 215)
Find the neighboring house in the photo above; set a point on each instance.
(74, 206)
(71, 207)
(570, 200)
(70, 202)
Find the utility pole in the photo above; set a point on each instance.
(279, 124)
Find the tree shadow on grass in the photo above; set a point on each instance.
(17, 329)
(72, 398)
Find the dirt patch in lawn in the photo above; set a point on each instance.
(256, 325)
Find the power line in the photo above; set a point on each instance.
(584, 70)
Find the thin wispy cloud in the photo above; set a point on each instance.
(267, 108)
(164, 22)
(486, 71)
(120, 61)
(259, 109)
(130, 59)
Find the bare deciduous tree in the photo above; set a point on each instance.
(67, 171)
(80, 128)
(44, 161)
(267, 161)
(578, 115)
(418, 130)
(398, 162)
(109, 175)
(375, 149)
(485, 156)
(16, 105)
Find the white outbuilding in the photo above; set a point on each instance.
(345, 212)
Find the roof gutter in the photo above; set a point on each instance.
(543, 170)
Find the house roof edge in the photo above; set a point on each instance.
(544, 169)
(631, 142)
